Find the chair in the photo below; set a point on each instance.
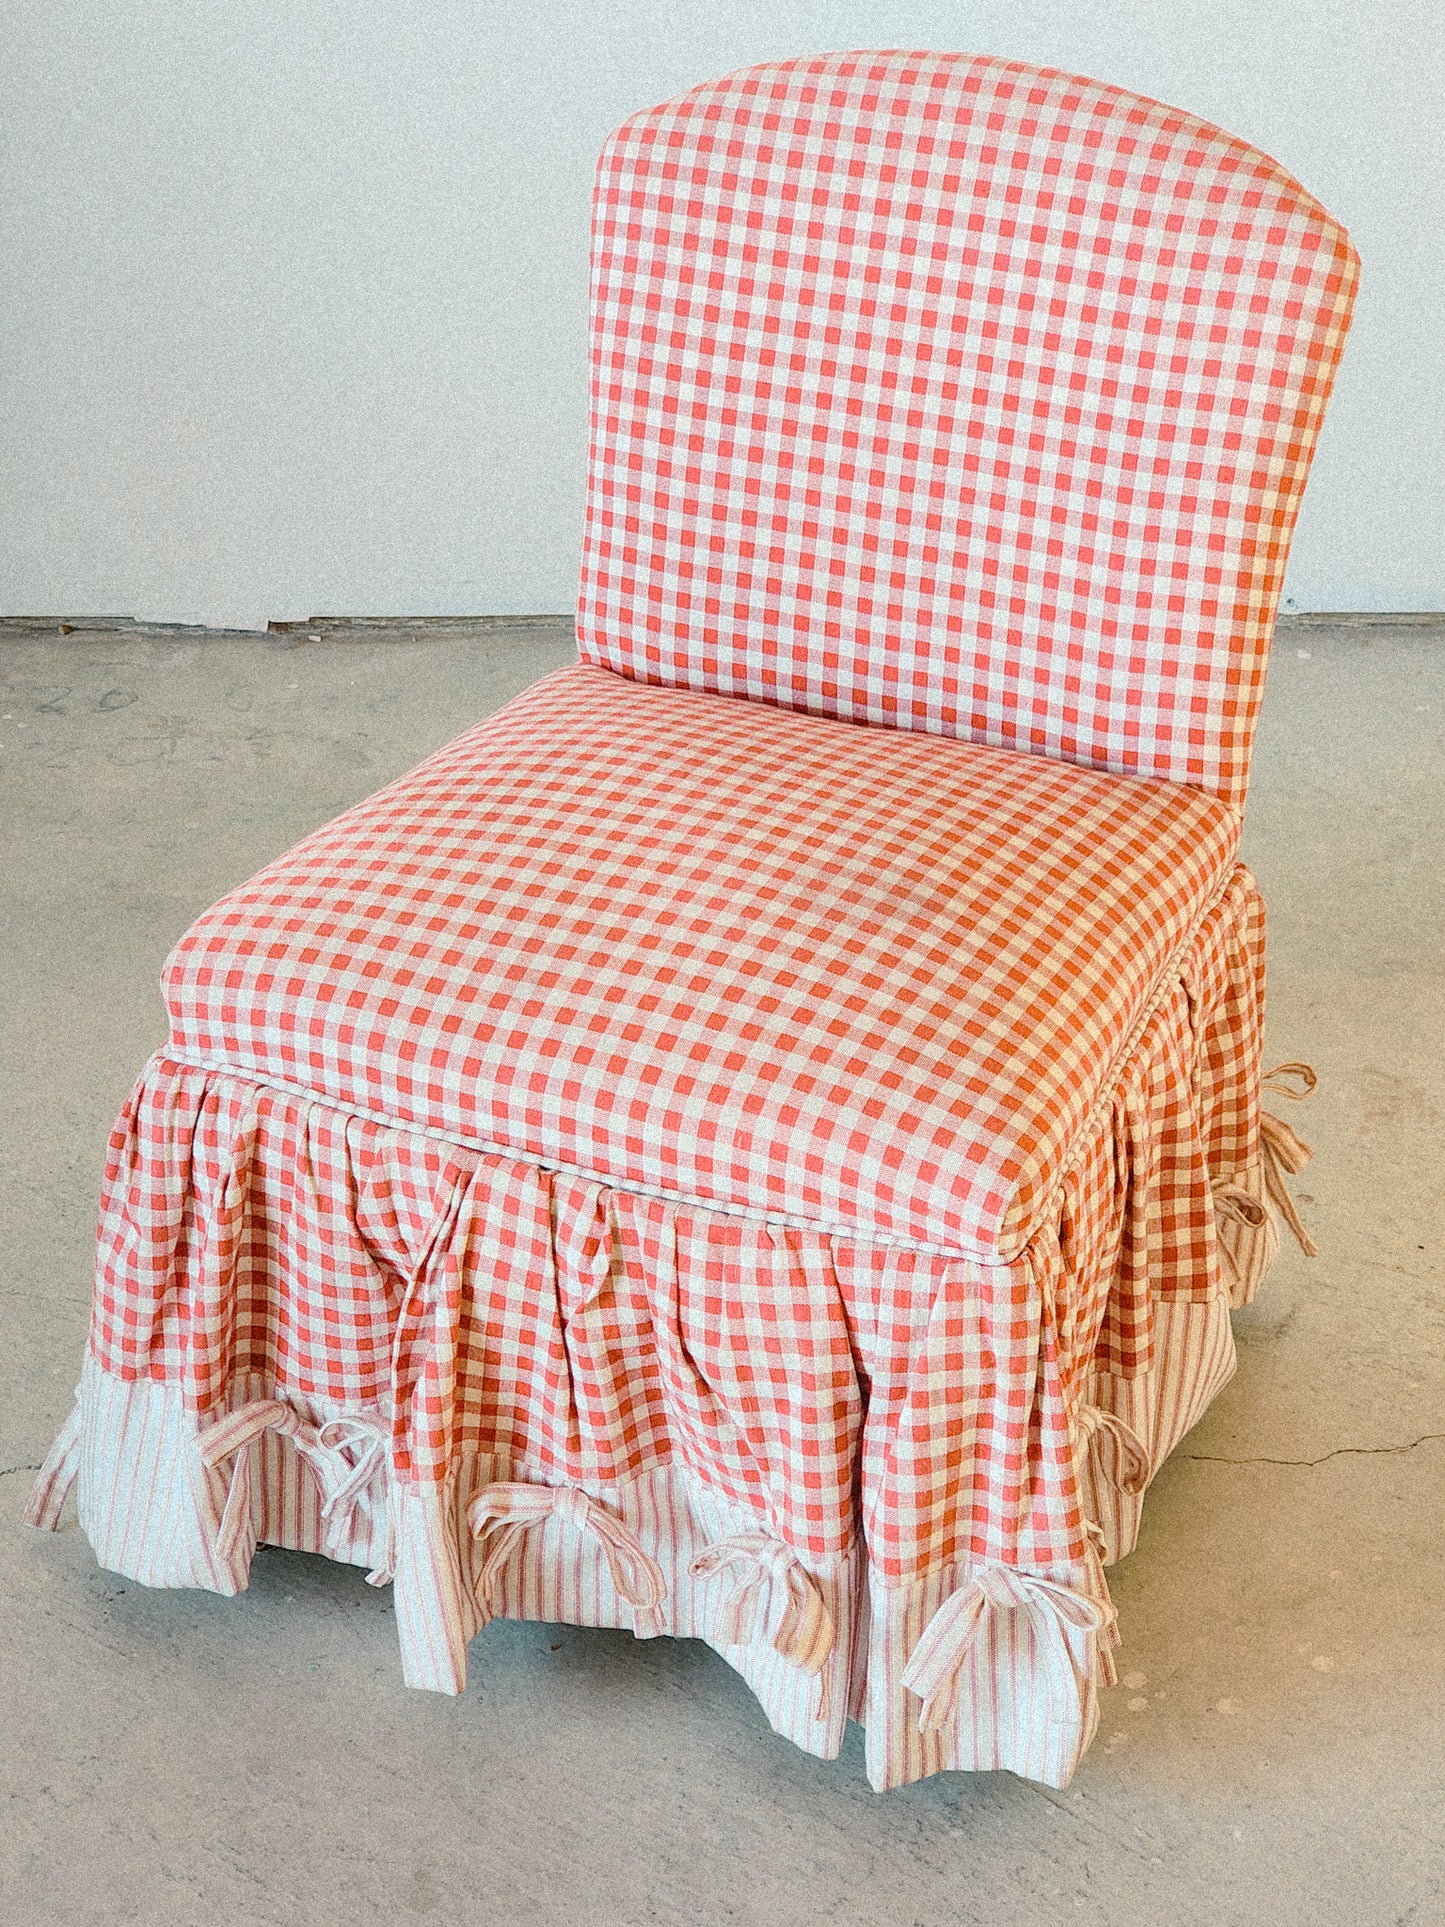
(758, 1139)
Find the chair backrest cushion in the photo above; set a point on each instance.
(956, 395)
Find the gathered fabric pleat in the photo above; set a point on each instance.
(878, 1480)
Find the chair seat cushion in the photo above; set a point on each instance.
(856, 978)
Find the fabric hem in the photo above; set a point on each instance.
(976, 1666)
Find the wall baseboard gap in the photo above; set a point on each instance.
(313, 626)
(403, 626)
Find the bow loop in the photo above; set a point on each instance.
(1232, 1201)
(352, 1452)
(346, 1454)
(772, 1589)
(241, 1428)
(1132, 1466)
(1246, 1252)
(1284, 1078)
(935, 1669)
(504, 1510)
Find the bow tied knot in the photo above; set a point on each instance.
(506, 1509)
(1051, 1611)
(346, 1455)
(1283, 1151)
(573, 1506)
(771, 1588)
(772, 1592)
(1131, 1468)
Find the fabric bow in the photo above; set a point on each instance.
(351, 1451)
(772, 1590)
(1238, 1206)
(1285, 1152)
(505, 1510)
(345, 1453)
(936, 1666)
(1133, 1468)
(1234, 1202)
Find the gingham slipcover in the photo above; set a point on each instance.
(870, 983)
(690, 1157)
(955, 395)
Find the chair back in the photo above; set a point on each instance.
(956, 395)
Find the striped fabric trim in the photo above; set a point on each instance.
(140, 1508)
(152, 1511)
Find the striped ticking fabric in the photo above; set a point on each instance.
(958, 395)
(866, 981)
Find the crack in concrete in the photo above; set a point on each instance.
(1340, 1452)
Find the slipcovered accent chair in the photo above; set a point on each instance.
(758, 1140)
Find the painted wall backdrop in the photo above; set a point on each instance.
(292, 312)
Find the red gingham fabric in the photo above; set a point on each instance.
(540, 1320)
(868, 982)
(958, 395)
(1184, 1112)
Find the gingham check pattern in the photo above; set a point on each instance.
(868, 981)
(689, 1123)
(590, 1334)
(958, 395)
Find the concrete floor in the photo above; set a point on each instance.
(1277, 1750)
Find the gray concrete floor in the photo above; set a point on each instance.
(1277, 1750)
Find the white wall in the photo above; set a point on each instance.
(292, 296)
